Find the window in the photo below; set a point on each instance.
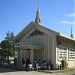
(62, 53)
(71, 54)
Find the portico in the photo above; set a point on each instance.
(30, 52)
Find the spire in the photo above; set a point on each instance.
(71, 32)
(38, 19)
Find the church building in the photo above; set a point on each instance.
(39, 42)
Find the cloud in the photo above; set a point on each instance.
(67, 22)
(70, 15)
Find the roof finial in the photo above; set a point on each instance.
(38, 5)
(71, 32)
(38, 19)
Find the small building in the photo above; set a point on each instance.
(39, 42)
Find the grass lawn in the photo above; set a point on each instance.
(59, 71)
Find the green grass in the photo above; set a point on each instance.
(59, 71)
(67, 71)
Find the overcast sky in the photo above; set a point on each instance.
(55, 14)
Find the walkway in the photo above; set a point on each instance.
(14, 72)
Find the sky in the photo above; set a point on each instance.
(58, 15)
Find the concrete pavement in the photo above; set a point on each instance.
(31, 73)
(6, 71)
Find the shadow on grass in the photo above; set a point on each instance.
(6, 69)
(10, 69)
(14, 69)
(46, 71)
(69, 71)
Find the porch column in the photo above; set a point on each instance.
(31, 55)
(18, 56)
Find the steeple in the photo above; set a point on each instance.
(71, 32)
(38, 19)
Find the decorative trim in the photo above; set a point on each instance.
(36, 32)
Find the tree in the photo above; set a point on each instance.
(7, 45)
(0, 50)
(0, 45)
(10, 38)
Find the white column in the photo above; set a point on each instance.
(31, 55)
(54, 50)
(48, 47)
(18, 56)
(44, 46)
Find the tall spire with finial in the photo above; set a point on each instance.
(38, 19)
(71, 32)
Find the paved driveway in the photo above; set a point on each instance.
(13, 72)
(31, 73)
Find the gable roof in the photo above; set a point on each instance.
(67, 37)
(29, 27)
(32, 25)
(46, 29)
(24, 31)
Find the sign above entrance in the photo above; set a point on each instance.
(36, 32)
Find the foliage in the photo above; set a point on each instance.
(10, 36)
(0, 45)
(5, 49)
(7, 46)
